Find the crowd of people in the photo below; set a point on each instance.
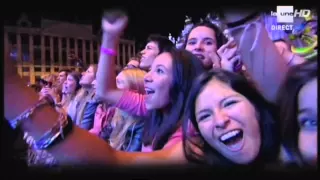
(172, 106)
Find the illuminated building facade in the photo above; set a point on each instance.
(45, 49)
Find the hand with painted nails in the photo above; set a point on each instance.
(49, 92)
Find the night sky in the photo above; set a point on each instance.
(142, 20)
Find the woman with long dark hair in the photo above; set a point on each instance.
(236, 124)
(298, 112)
(167, 85)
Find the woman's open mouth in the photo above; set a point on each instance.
(149, 93)
(233, 140)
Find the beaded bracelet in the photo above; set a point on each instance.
(16, 122)
(57, 133)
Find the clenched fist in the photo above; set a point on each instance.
(113, 23)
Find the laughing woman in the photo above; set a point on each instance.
(236, 123)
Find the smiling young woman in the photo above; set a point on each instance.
(236, 123)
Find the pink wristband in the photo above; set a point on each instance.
(108, 51)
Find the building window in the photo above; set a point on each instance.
(79, 42)
(12, 38)
(64, 42)
(47, 41)
(87, 44)
(48, 59)
(95, 58)
(37, 56)
(24, 38)
(88, 57)
(37, 69)
(55, 43)
(80, 54)
(36, 40)
(56, 57)
(95, 45)
(25, 69)
(64, 58)
(71, 43)
(37, 78)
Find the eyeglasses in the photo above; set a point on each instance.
(45, 83)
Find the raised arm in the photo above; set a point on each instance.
(106, 89)
(106, 78)
(263, 62)
(79, 146)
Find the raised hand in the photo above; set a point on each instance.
(229, 56)
(49, 92)
(113, 23)
(215, 60)
(290, 58)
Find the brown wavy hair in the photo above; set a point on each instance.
(287, 102)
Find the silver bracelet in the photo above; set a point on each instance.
(56, 133)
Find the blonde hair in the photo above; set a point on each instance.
(52, 79)
(49, 78)
(121, 120)
(135, 78)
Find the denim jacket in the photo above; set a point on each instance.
(88, 115)
(134, 138)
